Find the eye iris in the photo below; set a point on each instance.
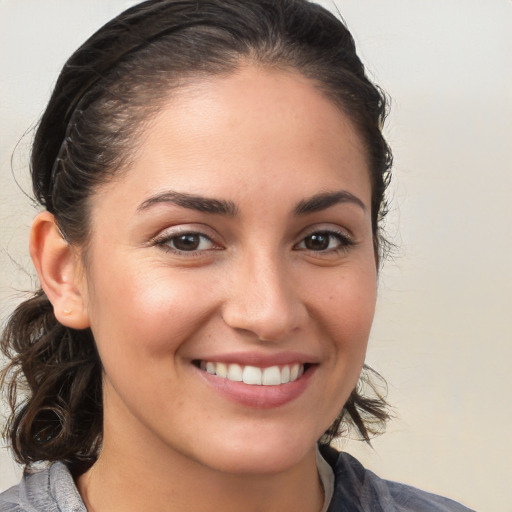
(317, 242)
(188, 242)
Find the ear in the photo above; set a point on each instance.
(60, 272)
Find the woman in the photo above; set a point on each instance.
(212, 175)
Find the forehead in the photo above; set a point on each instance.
(253, 129)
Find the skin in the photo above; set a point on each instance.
(264, 141)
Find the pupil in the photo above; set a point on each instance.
(187, 242)
(318, 242)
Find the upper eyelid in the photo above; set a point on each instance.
(347, 239)
(204, 230)
(183, 229)
(326, 228)
(171, 236)
(165, 239)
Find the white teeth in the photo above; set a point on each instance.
(221, 370)
(271, 376)
(252, 375)
(234, 373)
(285, 374)
(294, 372)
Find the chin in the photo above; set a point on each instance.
(264, 455)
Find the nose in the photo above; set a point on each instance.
(262, 299)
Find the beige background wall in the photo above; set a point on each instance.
(443, 332)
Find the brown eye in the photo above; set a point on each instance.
(325, 241)
(188, 242)
(317, 242)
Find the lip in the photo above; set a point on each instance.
(259, 359)
(260, 397)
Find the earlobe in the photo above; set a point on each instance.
(60, 272)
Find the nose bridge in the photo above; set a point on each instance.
(262, 297)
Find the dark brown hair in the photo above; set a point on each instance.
(107, 91)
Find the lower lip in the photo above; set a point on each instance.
(261, 397)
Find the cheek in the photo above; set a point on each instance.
(147, 312)
(347, 305)
(345, 314)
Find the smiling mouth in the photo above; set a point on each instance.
(253, 375)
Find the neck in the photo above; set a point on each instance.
(139, 484)
(144, 476)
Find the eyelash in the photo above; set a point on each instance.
(165, 241)
(345, 241)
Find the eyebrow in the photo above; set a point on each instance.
(193, 202)
(325, 200)
(203, 204)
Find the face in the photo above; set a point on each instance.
(231, 274)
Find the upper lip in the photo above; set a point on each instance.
(260, 360)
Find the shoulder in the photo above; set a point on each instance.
(47, 490)
(358, 489)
